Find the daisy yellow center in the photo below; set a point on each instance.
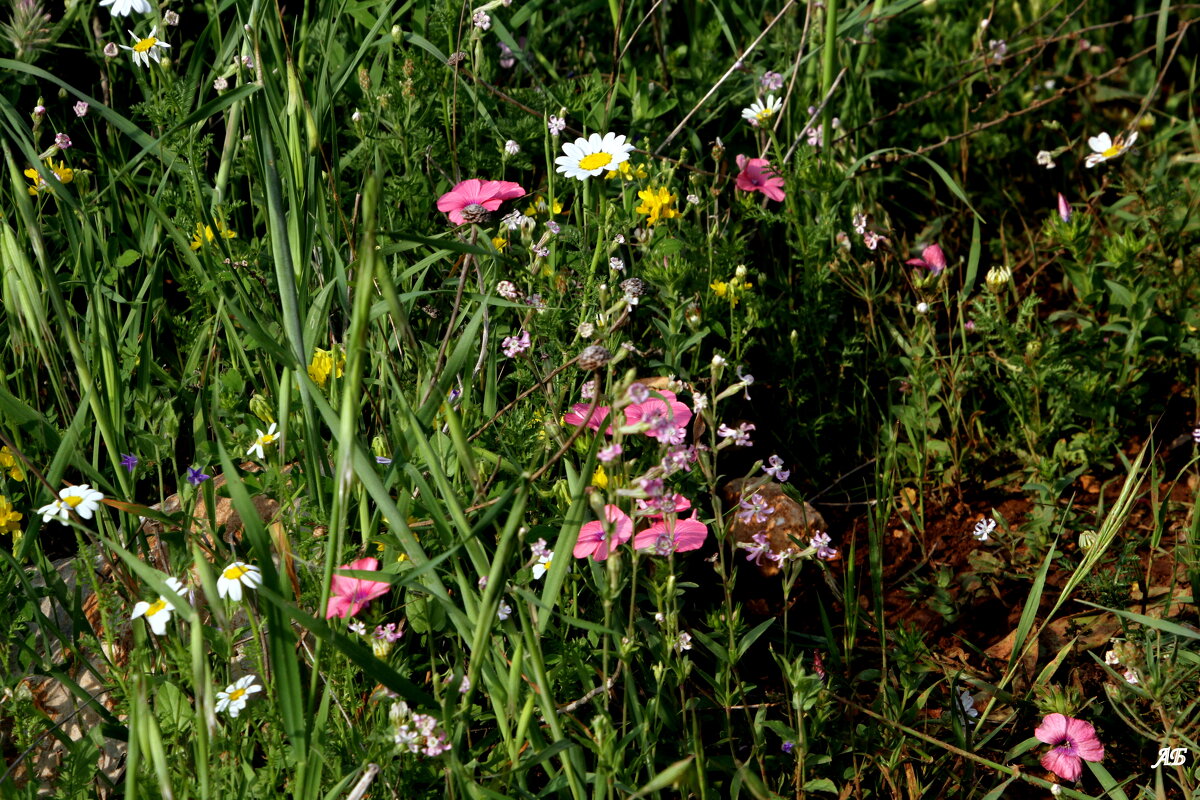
(1112, 151)
(155, 607)
(145, 45)
(595, 161)
(236, 694)
(764, 115)
(234, 573)
(73, 500)
(267, 438)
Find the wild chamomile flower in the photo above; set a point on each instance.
(82, 499)
(234, 577)
(256, 449)
(158, 613)
(204, 234)
(1104, 148)
(658, 204)
(123, 8)
(588, 158)
(233, 699)
(543, 564)
(760, 111)
(61, 171)
(145, 49)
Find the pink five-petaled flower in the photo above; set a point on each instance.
(594, 420)
(932, 258)
(666, 536)
(1075, 741)
(756, 176)
(475, 196)
(668, 405)
(596, 542)
(348, 596)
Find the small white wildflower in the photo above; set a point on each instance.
(983, 528)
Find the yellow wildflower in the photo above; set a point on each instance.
(539, 206)
(627, 171)
(322, 364)
(499, 242)
(9, 462)
(658, 204)
(730, 291)
(600, 478)
(9, 519)
(64, 174)
(204, 234)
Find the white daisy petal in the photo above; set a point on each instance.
(1100, 143)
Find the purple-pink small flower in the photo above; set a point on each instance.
(129, 462)
(62, 141)
(820, 541)
(389, 632)
(932, 258)
(1064, 208)
(740, 434)
(758, 549)
(775, 469)
(515, 345)
(195, 477)
(754, 510)
(771, 81)
(80, 108)
(638, 393)
(609, 454)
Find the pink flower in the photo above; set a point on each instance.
(756, 176)
(348, 596)
(594, 541)
(487, 195)
(932, 258)
(670, 407)
(675, 502)
(576, 416)
(666, 536)
(1075, 742)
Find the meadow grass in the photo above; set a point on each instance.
(376, 375)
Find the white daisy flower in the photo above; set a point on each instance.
(256, 449)
(543, 565)
(587, 158)
(145, 49)
(236, 575)
(1104, 148)
(82, 499)
(233, 699)
(123, 8)
(760, 111)
(158, 613)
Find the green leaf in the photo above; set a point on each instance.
(668, 777)
(126, 259)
